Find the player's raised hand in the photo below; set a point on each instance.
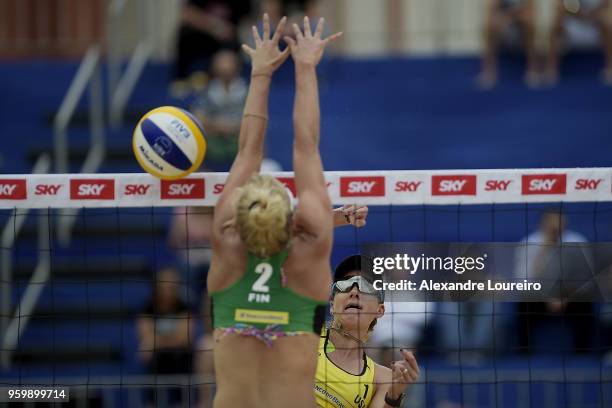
(405, 372)
(266, 57)
(307, 48)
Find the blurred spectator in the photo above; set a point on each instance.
(205, 368)
(219, 108)
(290, 8)
(547, 30)
(206, 27)
(539, 322)
(165, 328)
(293, 9)
(467, 330)
(402, 326)
(500, 17)
(189, 236)
(588, 19)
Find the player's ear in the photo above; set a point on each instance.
(381, 311)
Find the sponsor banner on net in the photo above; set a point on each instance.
(363, 187)
(507, 272)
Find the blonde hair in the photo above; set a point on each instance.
(263, 215)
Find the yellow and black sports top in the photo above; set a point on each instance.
(335, 388)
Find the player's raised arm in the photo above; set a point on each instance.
(266, 57)
(307, 50)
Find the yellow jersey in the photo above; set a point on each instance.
(335, 388)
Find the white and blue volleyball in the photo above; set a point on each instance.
(169, 143)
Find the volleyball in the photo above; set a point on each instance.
(169, 143)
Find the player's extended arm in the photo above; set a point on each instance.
(307, 50)
(265, 59)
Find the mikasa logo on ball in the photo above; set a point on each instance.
(149, 159)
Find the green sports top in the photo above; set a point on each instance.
(260, 300)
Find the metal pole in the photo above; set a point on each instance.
(68, 106)
(113, 43)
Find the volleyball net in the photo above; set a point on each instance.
(85, 261)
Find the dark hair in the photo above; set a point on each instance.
(353, 263)
(552, 210)
(156, 281)
(349, 264)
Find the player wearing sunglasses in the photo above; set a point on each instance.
(346, 376)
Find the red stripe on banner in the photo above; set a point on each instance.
(13, 189)
(189, 189)
(454, 184)
(289, 182)
(543, 184)
(373, 186)
(92, 189)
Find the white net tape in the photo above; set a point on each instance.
(366, 187)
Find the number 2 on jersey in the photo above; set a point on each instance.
(265, 271)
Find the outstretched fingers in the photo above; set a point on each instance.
(297, 31)
(333, 37)
(266, 27)
(283, 56)
(307, 30)
(256, 36)
(320, 27)
(280, 29)
(247, 50)
(290, 41)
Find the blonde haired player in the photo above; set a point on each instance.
(269, 278)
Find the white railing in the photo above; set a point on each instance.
(121, 86)
(89, 75)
